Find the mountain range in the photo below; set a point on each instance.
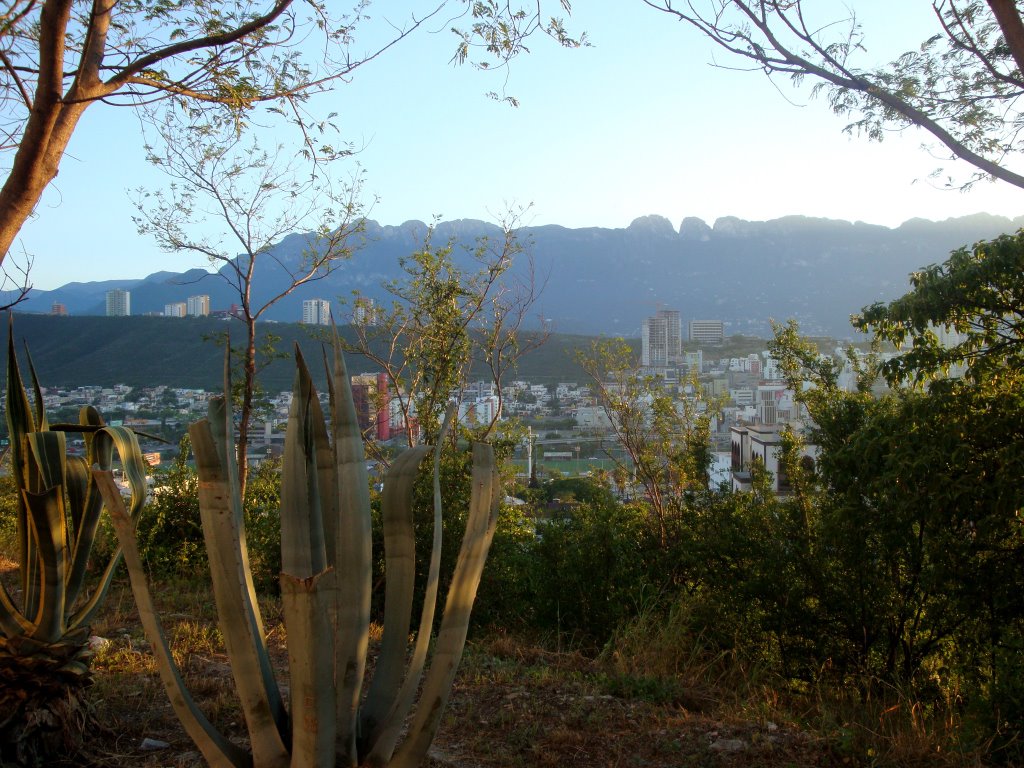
(606, 281)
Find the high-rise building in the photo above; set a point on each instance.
(661, 339)
(177, 309)
(364, 312)
(58, 309)
(316, 312)
(707, 331)
(371, 400)
(198, 306)
(119, 303)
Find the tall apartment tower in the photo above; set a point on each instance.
(177, 309)
(316, 312)
(119, 303)
(198, 306)
(661, 339)
(707, 331)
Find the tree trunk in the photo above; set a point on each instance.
(248, 389)
(51, 122)
(1008, 17)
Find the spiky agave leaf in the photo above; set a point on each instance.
(238, 610)
(451, 640)
(307, 582)
(350, 531)
(43, 651)
(382, 739)
(217, 750)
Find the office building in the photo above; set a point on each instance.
(707, 331)
(119, 303)
(316, 312)
(364, 312)
(371, 399)
(177, 309)
(661, 339)
(198, 306)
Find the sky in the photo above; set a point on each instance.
(639, 123)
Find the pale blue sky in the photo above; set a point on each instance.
(638, 124)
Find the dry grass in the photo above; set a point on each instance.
(652, 700)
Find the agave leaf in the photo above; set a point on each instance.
(220, 420)
(85, 505)
(104, 443)
(37, 391)
(305, 604)
(389, 729)
(222, 430)
(400, 567)
(49, 454)
(76, 486)
(218, 751)
(86, 508)
(84, 614)
(133, 464)
(307, 583)
(352, 536)
(237, 610)
(483, 517)
(303, 551)
(222, 427)
(12, 621)
(99, 453)
(46, 514)
(20, 421)
(49, 527)
(19, 424)
(327, 473)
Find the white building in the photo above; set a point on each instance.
(661, 339)
(364, 312)
(707, 331)
(198, 306)
(762, 444)
(177, 309)
(316, 312)
(479, 412)
(119, 303)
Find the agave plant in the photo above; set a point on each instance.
(325, 587)
(44, 618)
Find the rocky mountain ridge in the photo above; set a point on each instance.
(605, 281)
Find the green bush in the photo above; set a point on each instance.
(170, 534)
(8, 513)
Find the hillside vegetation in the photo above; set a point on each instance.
(182, 352)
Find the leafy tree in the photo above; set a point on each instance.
(667, 438)
(977, 293)
(962, 85)
(58, 58)
(170, 535)
(914, 545)
(251, 198)
(444, 319)
(590, 567)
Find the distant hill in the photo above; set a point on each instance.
(147, 351)
(605, 281)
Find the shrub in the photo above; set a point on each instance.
(170, 535)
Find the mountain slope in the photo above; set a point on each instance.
(605, 281)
